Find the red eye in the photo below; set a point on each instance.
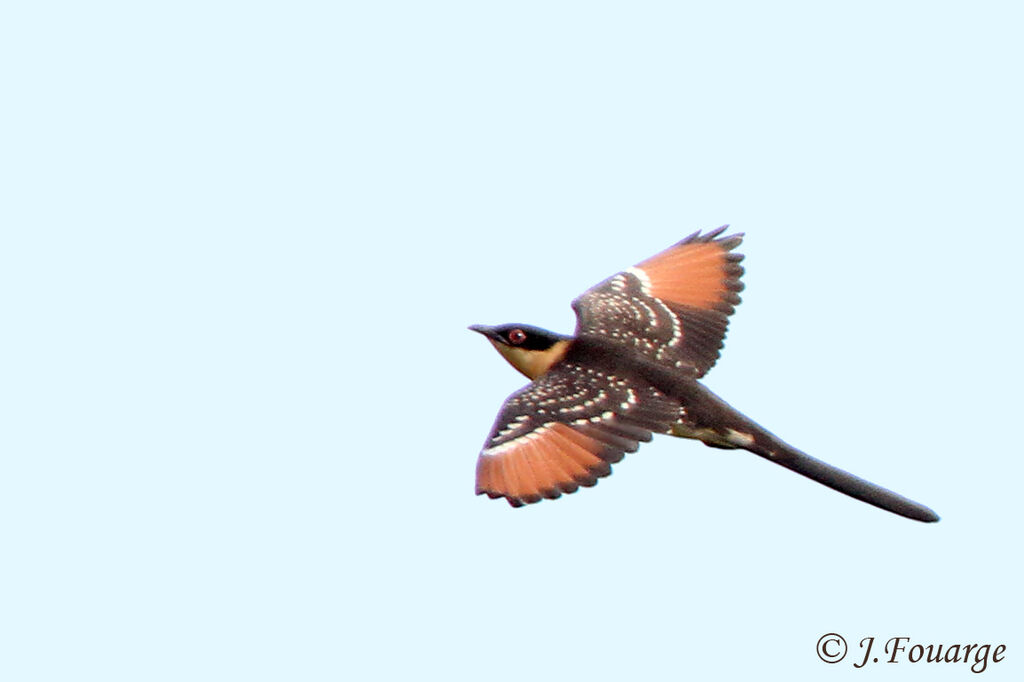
(516, 337)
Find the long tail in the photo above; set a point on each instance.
(752, 437)
(843, 481)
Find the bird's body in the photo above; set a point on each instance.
(643, 339)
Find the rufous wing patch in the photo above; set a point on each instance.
(700, 272)
(545, 463)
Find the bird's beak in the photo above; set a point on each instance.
(483, 329)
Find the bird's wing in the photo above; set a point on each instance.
(565, 430)
(673, 307)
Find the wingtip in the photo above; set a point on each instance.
(728, 242)
(715, 232)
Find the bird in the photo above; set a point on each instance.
(644, 338)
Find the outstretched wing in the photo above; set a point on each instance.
(673, 307)
(565, 430)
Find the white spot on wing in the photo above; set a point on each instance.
(516, 442)
(645, 281)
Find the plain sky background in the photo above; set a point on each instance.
(241, 243)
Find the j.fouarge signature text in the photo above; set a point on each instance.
(898, 649)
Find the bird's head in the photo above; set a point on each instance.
(531, 350)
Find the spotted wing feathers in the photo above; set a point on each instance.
(564, 431)
(673, 307)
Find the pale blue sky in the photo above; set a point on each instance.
(241, 244)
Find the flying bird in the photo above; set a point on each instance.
(644, 337)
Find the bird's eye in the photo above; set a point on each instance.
(516, 337)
